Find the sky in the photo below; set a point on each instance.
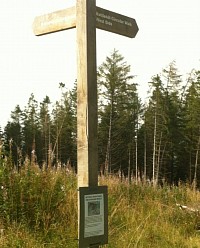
(168, 30)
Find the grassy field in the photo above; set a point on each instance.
(39, 209)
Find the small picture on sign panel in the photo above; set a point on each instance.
(93, 208)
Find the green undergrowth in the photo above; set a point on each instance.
(144, 216)
(39, 209)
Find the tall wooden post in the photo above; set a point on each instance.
(86, 93)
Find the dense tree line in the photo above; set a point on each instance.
(43, 134)
(155, 139)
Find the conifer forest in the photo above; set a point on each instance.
(155, 138)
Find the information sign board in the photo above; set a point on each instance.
(93, 207)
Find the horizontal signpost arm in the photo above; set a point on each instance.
(55, 22)
(66, 19)
(116, 23)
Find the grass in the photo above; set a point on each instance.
(39, 209)
(144, 216)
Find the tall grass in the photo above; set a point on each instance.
(39, 209)
(144, 216)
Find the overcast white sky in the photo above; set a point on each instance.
(168, 30)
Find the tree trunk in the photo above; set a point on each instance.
(158, 160)
(129, 165)
(108, 151)
(154, 149)
(196, 164)
(145, 153)
(136, 159)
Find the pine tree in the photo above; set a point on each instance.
(192, 127)
(13, 137)
(155, 121)
(117, 93)
(173, 82)
(45, 127)
(31, 132)
(64, 128)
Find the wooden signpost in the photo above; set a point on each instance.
(86, 17)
